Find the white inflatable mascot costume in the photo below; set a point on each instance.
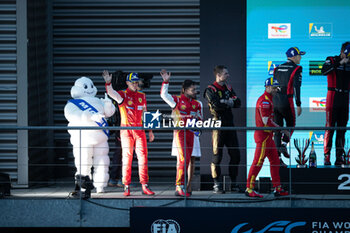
(90, 147)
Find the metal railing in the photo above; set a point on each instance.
(342, 182)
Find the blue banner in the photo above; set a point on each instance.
(238, 220)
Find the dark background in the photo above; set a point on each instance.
(223, 41)
(67, 39)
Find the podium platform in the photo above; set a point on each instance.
(320, 180)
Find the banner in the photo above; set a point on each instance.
(239, 220)
(314, 26)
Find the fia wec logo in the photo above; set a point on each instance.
(165, 226)
(278, 226)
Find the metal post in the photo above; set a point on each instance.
(290, 168)
(185, 168)
(50, 77)
(80, 193)
(22, 92)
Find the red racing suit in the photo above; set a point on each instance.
(184, 109)
(132, 104)
(265, 146)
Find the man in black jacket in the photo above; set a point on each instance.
(337, 69)
(115, 171)
(221, 98)
(288, 75)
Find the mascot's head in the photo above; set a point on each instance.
(83, 87)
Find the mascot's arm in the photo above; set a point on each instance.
(108, 106)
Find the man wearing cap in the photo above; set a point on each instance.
(265, 146)
(288, 75)
(132, 104)
(337, 69)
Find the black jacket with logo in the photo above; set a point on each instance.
(221, 111)
(289, 76)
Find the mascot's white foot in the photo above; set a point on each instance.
(100, 190)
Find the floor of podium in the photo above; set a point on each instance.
(49, 206)
(162, 191)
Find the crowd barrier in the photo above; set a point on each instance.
(296, 178)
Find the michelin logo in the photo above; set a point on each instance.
(271, 65)
(151, 120)
(317, 137)
(320, 30)
(278, 226)
(165, 226)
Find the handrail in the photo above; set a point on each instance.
(15, 127)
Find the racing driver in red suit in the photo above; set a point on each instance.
(265, 146)
(132, 104)
(185, 107)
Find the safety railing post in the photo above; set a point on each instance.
(80, 193)
(185, 168)
(290, 168)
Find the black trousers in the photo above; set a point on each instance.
(228, 138)
(337, 114)
(280, 115)
(115, 171)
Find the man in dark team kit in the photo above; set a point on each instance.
(289, 76)
(221, 98)
(115, 171)
(337, 69)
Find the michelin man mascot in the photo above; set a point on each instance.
(90, 147)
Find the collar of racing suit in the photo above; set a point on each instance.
(130, 91)
(291, 61)
(218, 86)
(268, 95)
(185, 98)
